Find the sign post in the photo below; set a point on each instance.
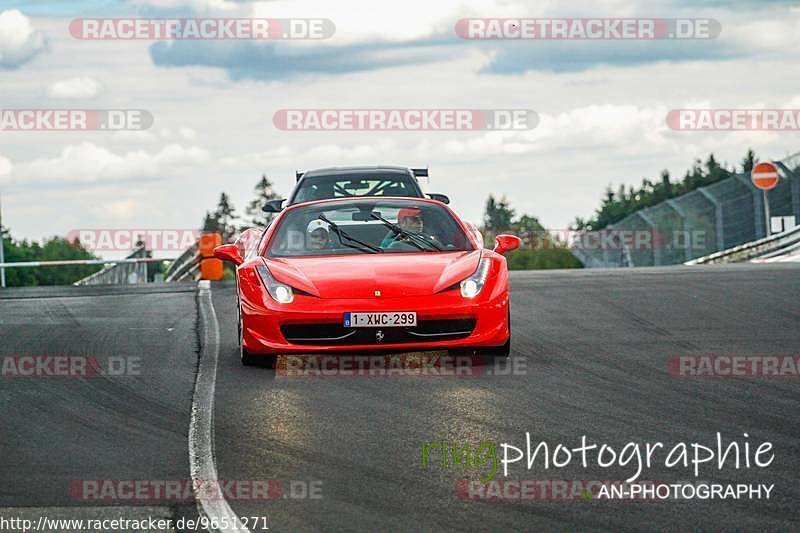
(765, 177)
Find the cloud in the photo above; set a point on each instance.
(271, 61)
(622, 128)
(5, 166)
(192, 6)
(83, 87)
(322, 155)
(749, 4)
(88, 163)
(572, 56)
(19, 41)
(599, 124)
(367, 38)
(396, 35)
(152, 136)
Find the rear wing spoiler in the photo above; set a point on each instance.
(420, 172)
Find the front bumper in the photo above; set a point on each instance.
(313, 325)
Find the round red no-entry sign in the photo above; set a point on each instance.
(765, 176)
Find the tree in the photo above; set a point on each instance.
(580, 224)
(664, 189)
(53, 249)
(539, 248)
(264, 192)
(498, 215)
(527, 223)
(225, 212)
(221, 220)
(616, 206)
(210, 223)
(749, 161)
(714, 171)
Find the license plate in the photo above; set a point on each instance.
(380, 320)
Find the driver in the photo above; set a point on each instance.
(317, 235)
(409, 219)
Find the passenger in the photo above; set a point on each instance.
(317, 235)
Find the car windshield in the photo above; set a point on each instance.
(342, 186)
(366, 227)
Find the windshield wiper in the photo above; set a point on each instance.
(342, 235)
(413, 238)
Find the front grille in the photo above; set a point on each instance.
(424, 331)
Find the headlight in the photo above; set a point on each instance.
(280, 292)
(472, 286)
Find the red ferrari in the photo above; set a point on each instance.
(378, 275)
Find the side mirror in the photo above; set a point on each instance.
(506, 243)
(439, 197)
(273, 206)
(229, 252)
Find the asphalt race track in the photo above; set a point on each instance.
(590, 349)
(57, 431)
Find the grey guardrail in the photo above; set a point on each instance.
(132, 269)
(772, 245)
(185, 266)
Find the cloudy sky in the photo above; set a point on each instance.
(602, 104)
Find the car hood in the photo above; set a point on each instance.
(359, 276)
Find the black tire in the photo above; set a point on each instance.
(246, 357)
(249, 359)
(496, 351)
(260, 360)
(491, 351)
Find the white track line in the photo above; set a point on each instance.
(202, 462)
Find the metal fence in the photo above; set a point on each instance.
(185, 267)
(128, 273)
(709, 219)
